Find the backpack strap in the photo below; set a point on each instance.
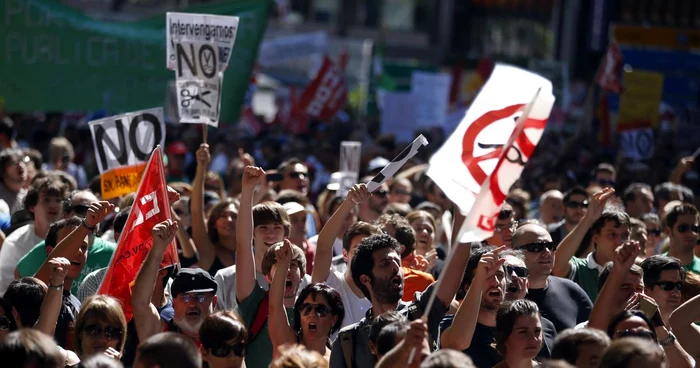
(347, 343)
(260, 318)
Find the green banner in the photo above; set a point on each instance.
(55, 58)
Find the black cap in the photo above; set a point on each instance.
(192, 280)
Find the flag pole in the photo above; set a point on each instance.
(205, 132)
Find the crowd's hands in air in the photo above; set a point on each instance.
(97, 212)
(596, 206)
(164, 232)
(59, 270)
(488, 265)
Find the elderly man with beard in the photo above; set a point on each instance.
(193, 291)
(376, 270)
(473, 328)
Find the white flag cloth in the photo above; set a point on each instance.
(486, 154)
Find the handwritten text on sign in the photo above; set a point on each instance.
(216, 30)
(123, 180)
(127, 139)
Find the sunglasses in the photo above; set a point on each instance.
(574, 204)
(669, 286)
(297, 175)
(501, 228)
(632, 333)
(603, 182)
(224, 350)
(201, 299)
(95, 331)
(4, 323)
(401, 192)
(683, 228)
(518, 270)
(539, 247)
(381, 193)
(321, 310)
(655, 232)
(79, 209)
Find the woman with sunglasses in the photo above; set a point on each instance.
(318, 311)
(518, 334)
(224, 340)
(100, 328)
(215, 237)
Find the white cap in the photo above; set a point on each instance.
(334, 182)
(293, 207)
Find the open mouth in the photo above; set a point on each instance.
(495, 293)
(192, 313)
(312, 327)
(75, 263)
(512, 288)
(288, 284)
(397, 282)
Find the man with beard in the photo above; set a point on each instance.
(193, 292)
(575, 205)
(560, 300)
(682, 227)
(376, 270)
(372, 208)
(473, 328)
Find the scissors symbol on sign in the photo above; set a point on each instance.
(189, 96)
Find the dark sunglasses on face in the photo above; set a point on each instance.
(519, 271)
(297, 175)
(201, 299)
(632, 333)
(603, 182)
(574, 204)
(4, 323)
(539, 247)
(380, 193)
(669, 286)
(655, 232)
(224, 350)
(683, 228)
(401, 192)
(112, 333)
(321, 310)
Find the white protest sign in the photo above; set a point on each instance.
(127, 139)
(349, 166)
(637, 144)
(216, 30)
(395, 165)
(431, 98)
(199, 100)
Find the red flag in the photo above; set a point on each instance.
(608, 76)
(150, 208)
(326, 94)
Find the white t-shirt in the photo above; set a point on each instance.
(17, 244)
(337, 245)
(355, 308)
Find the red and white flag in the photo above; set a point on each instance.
(608, 75)
(326, 94)
(487, 152)
(150, 208)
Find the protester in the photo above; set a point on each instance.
(297, 356)
(400, 191)
(425, 227)
(582, 347)
(168, 349)
(447, 358)
(100, 328)
(370, 209)
(224, 340)
(575, 205)
(30, 348)
(551, 207)
(638, 199)
(633, 352)
(13, 175)
(399, 340)
(683, 228)
(518, 333)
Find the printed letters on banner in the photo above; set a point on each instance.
(216, 30)
(484, 156)
(326, 94)
(127, 139)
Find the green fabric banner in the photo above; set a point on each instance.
(55, 58)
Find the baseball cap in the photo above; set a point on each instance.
(293, 207)
(334, 182)
(176, 148)
(192, 280)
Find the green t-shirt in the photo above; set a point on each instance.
(693, 266)
(585, 277)
(99, 254)
(258, 354)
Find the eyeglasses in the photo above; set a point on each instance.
(500, 228)
(95, 331)
(79, 209)
(201, 299)
(4, 323)
(321, 310)
(604, 182)
(669, 286)
(381, 193)
(654, 232)
(539, 247)
(518, 270)
(683, 228)
(297, 175)
(631, 333)
(223, 350)
(574, 204)
(401, 192)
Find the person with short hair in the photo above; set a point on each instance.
(13, 176)
(168, 349)
(581, 347)
(224, 340)
(683, 228)
(400, 191)
(30, 348)
(632, 352)
(575, 206)
(551, 207)
(371, 208)
(604, 175)
(638, 199)
(298, 356)
(504, 227)
(378, 324)
(655, 233)
(447, 358)
(399, 340)
(663, 281)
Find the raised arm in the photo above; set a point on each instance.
(455, 266)
(570, 244)
(684, 165)
(69, 246)
(682, 322)
(186, 244)
(199, 227)
(604, 306)
(334, 227)
(146, 316)
(51, 306)
(245, 262)
(283, 332)
(459, 335)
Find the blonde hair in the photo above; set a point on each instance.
(298, 356)
(60, 147)
(104, 308)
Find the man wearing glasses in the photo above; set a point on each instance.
(503, 228)
(575, 206)
(683, 227)
(560, 300)
(663, 280)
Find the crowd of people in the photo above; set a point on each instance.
(278, 268)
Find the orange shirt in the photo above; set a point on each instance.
(414, 281)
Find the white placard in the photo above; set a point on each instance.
(127, 139)
(217, 30)
(397, 163)
(350, 153)
(199, 100)
(431, 98)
